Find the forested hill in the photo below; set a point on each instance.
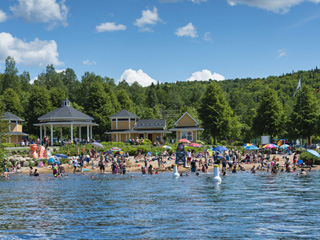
(100, 97)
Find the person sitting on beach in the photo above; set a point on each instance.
(36, 173)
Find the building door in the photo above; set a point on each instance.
(141, 135)
(150, 136)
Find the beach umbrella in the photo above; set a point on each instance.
(220, 149)
(270, 145)
(285, 146)
(51, 160)
(96, 144)
(247, 144)
(61, 155)
(184, 140)
(166, 146)
(194, 145)
(115, 149)
(313, 152)
(251, 147)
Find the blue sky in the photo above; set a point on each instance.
(162, 40)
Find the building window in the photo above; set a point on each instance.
(187, 134)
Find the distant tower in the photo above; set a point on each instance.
(65, 103)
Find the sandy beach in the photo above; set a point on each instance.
(133, 166)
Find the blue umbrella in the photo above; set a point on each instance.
(220, 149)
(61, 155)
(252, 147)
(313, 152)
(51, 160)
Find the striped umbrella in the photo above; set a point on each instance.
(115, 149)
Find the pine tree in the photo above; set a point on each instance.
(215, 112)
(270, 118)
(304, 117)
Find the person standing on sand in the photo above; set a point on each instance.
(75, 163)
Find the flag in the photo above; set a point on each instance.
(299, 86)
(318, 90)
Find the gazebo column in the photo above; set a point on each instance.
(79, 133)
(61, 134)
(9, 130)
(17, 139)
(88, 137)
(91, 132)
(116, 137)
(45, 131)
(40, 134)
(51, 135)
(71, 132)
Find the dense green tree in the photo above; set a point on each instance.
(305, 115)
(39, 104)
(10, 78)
(12, 102)
(57, 95)
(124, 100)
(99, 105)
(152, 99)
(71, 83)
(215, 112)
(270, 118)
(25, 81)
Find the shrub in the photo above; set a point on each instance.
(147, 142)
(305, 156)
(8, 145)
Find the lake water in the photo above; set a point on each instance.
(243, 206)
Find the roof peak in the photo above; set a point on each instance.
(66, 103)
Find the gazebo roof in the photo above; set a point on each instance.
(65, 112)
(124, 114)
(11, 116)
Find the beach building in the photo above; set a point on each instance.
(186, 127)
(65, 116)
(14, 133)
(125, 125)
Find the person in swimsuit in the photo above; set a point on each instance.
(114, 168)
(36, 173)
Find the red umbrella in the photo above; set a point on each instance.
(194, 145)
(184, 140)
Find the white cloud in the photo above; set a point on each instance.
(110, 27)
(207, 37)
(139, 76)
(277, 6)
(205, 75)
(282, 53)
(148, 18)
(197, 1)
(60, 71)
(3, 16)
(34, 53)
(45, 11)
(88, 62)
(188, 30)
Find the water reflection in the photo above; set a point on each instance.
(160, 206)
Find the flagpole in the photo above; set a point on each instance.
(300, 114)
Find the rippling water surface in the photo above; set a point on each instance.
(243, 206)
